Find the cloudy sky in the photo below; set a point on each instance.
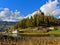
(51, 7)
(7, 15)
(14, 10)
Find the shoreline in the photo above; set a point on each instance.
(31, 35)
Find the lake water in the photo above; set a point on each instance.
(31, 35)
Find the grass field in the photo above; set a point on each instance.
(42, 31)
(55, 31)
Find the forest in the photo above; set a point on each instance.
(38, 20)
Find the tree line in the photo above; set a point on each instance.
(38, 20)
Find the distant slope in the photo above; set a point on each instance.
(5, 23)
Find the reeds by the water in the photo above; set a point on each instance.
(9, 40)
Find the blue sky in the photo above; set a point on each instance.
(24, 6)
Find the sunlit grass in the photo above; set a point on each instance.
(55, 31)
(36, 32)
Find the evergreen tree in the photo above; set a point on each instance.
(38, 20)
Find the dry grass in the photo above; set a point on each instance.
(29, 41)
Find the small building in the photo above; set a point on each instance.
(15, 31)
(51, 28)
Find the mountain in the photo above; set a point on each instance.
(36, 20)
(5, 23)
(37, 12)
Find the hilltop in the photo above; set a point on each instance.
(38, 22)
(38, 19)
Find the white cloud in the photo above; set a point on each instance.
(55, 12)
(7, 15)
(50, 8)
(59, 16)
